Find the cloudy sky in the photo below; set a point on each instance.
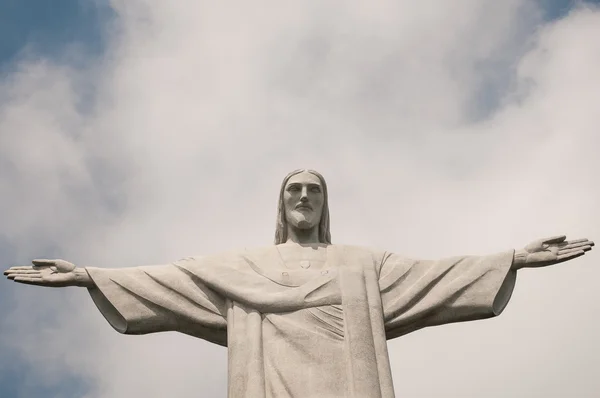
(137, 132)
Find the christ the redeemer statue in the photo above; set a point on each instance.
(303, 318)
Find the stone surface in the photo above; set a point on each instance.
(303, 318)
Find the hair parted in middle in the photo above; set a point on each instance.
(281, 226)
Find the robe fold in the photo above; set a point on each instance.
(309, 332)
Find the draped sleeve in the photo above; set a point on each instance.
(421, 293)
(149, 299)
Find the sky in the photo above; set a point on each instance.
(140, 132)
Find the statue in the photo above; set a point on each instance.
(303, 318)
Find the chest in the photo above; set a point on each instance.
(298, 258)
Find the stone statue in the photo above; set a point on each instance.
(303, 318)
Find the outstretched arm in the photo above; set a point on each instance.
(139, 300)
(421, 293)
(50, 273)
(550, 251)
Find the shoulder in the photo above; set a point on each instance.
(254, 252)
(229, 257)
(356, 250)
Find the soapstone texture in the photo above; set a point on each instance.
(303, 333)
(303, 318)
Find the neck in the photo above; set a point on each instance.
(302, 236)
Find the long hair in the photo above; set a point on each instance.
(281, 227)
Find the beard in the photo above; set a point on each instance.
(302, 220)
(304, 224)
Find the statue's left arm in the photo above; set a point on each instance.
(420, 293)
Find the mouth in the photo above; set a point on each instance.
(304, 207)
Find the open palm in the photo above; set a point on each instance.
(553, 250)
(51, 273)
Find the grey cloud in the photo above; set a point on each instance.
(198, 112)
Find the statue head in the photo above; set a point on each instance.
(303, 204)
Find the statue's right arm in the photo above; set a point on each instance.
(82, 278)
(50, 273)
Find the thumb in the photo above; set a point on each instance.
(61, 265)
(42, 262)
(555, 239)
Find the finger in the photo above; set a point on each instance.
(12, 271)
(555, 239)
(575, 250)
(569, 256)
(14, 276)
(575, 245)
(577, 240)
(29, 281)
(572, 242)
(17, 268)
(23, 273)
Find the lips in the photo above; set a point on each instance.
(304, 207)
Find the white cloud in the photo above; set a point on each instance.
(200, 110)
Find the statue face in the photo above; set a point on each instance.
(303, 200)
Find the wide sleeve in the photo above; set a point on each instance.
(417, 293)
(159, 298)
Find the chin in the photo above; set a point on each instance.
(304, 224)
(300, 221)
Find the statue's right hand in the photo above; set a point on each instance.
(51, 273)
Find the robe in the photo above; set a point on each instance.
(304, 333)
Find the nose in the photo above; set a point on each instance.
(304, 195)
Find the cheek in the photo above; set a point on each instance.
(288, 202)
(318, 201)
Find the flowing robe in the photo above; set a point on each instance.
(304, 333)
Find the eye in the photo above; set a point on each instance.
(293, 188)
(315, 189)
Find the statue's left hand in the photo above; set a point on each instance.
(549, 251)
